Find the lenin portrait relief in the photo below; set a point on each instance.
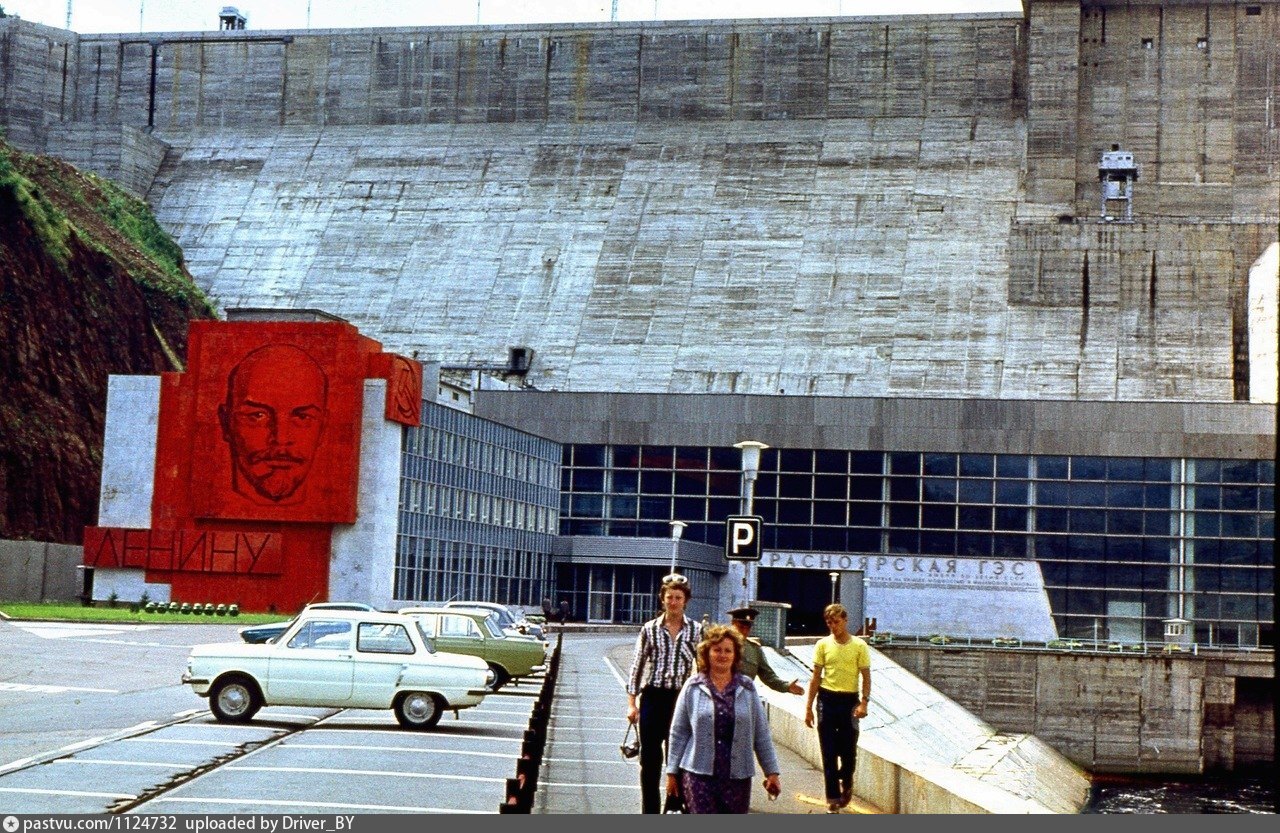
(275, 431)
(273, 421)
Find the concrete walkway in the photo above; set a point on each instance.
(582, 769)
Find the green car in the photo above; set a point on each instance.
(477, 632)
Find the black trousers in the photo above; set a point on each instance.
(837, 739)
(657, 705)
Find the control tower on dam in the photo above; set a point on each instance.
(1077, 202)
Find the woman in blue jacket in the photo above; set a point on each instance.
(718, 728)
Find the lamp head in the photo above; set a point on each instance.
(750, 455)
(677, 529)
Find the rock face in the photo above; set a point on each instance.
(89, 286)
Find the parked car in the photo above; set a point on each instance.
(473, 631)
(506, 616)
(340, 659)
(258, 634)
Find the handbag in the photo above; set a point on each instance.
(673, 804)
(630, 747)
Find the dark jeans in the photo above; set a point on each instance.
(656, 707)
(838, 740)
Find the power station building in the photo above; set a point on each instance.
(998, 290)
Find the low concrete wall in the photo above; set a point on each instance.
(34, 571)
(1180, 714)
(921, 752)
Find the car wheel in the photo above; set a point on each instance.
(235, 699)
(500, 676)
(419, 710)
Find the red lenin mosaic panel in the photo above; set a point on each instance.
(257, 457)
(276, 422)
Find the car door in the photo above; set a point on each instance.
(381, 653)
(459, 634)
(312, 666)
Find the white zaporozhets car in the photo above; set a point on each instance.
(339, 659)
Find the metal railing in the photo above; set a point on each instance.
(522, 789)
(1093, 646)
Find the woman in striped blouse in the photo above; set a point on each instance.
(665, 656)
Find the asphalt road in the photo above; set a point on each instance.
(93, 719)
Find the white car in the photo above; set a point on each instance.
(340, 659)
(517, 625)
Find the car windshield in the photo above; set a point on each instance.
(505, 617)
(493, 625)
(427, 639)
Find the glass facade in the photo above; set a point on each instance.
(1122, 541)
(478, 504)
(625, 593)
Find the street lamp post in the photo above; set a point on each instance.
(744, 576)
(677, 530)
(835, 577)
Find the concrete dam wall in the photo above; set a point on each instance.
(901, 206)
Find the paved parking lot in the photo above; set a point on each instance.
(144, 757)
(95, 720)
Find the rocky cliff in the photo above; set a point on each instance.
(89, 286)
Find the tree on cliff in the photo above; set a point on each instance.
(89, 286)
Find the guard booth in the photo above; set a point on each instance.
(771, 624)
(230, 18)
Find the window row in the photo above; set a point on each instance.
(430, 570)
(1014, 466)
(903, 515)
(967, 544)
(447, 502)
(1157, 577)
(873, 488)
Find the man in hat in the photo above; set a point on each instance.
(753, 659)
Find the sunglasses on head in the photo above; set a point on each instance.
(674, 578)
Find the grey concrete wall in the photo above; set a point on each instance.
(126, 155)
(1141, 429)
(362, 555)
(34, 571)
(1115, 713)
(37, 80)
(824, 207)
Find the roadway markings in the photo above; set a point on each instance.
(72, 630)
(109, 762)
(376, 808)
(381, 773)
(79, 793)
(413, 750)
(35, 688)
(181, 741)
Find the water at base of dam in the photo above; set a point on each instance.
(1251, 792)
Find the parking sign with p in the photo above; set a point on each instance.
(742, 537)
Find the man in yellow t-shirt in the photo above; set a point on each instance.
(838, 661)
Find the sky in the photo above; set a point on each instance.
(88, 16)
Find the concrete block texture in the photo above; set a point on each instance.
(821, 207)
(1139, 429)
(1122, 714)
(35, 571)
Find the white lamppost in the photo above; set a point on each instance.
(835, 577)
(743, 576)
(677, 530)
